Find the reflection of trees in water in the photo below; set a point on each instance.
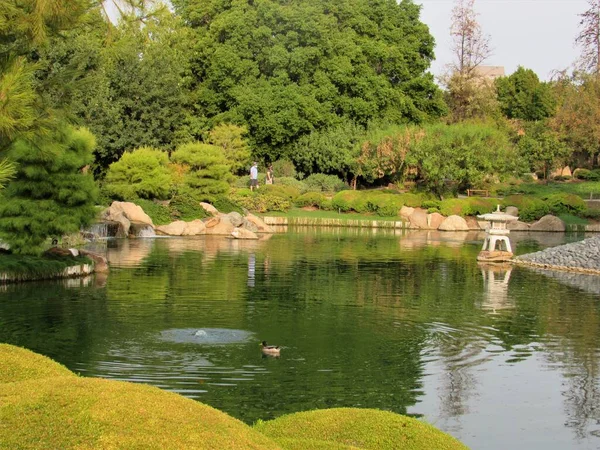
(574, 321)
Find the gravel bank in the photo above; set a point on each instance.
(583, 256)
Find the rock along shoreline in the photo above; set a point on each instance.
(582, 257)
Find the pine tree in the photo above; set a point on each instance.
(208, 173)
(50, 195)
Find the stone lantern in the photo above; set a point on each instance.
(496, 247)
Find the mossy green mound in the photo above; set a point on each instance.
(19, 364)
(312, 444)
(362, 428)
(88, 413)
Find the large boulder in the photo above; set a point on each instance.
(512, 211)
(176, 228)
(548, 223)
(517, 225)
(235, 218)
(418, 219)
(210, 209)
(454, 223)
(124, 224)
(181, 228)
(100, 262)
(247, 225)
(473, 223)
(194, 228)
(434, 220)
(241, 233)
(131, 211)
(260, 225)
(211, 222)
(406, 211)
(223, 228)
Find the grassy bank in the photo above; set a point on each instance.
(38, 266)
(44, 405)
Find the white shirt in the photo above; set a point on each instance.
(253, 173)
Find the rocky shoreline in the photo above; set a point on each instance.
(582, 256)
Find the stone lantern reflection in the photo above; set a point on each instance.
(496, 278)
(496, 247)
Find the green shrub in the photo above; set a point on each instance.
(454, 207)
(287, 192)
(327, 205)
(533, 209)
(565, 204)
(433, 205)
(386, 205)
(593, 214)
(289, 181)
(227, 204)
(143, 173)
(160, 214)
(283, 168)
(261, 202)
(517, 200)
(478, 205)
(342, 200)
(587, 175)
(311, 199)
(186, 207)
(412, 200)
(324, 183)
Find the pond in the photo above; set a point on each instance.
(500, 357)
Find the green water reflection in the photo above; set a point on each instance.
(403, 322)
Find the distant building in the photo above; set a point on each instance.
(489, 73)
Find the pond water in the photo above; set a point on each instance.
(500, 357)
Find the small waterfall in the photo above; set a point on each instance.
(101, 230)
(143, 231)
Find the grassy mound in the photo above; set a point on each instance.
(44, 405)
(362, 428)
(74, 412)
(19, 364)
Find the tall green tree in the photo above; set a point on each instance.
(50, 195)
(461, 155)
(577, 119)
(285, 69)
(542, 148)
(25, 26)
(136, 86)
(523, 96)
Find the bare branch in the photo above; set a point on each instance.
(589, 38)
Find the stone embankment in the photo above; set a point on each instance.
(583, 256)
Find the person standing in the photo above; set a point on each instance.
(270, 174)
(254, 176)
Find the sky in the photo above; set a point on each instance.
(536, 34)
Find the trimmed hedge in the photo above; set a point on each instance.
(315, 199)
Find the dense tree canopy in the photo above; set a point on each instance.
(285, 69)
(523, 96)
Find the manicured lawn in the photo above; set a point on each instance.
(580, 188)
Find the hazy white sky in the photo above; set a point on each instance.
(536, 34)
